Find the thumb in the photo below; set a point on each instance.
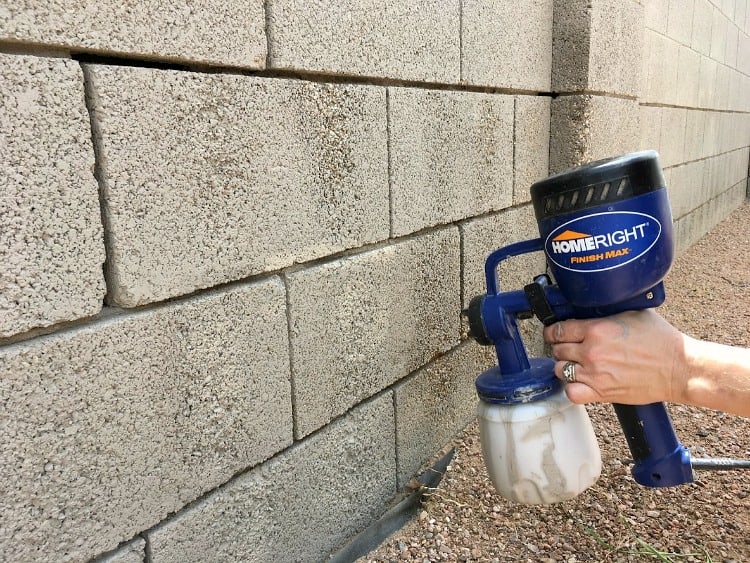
(580, 393)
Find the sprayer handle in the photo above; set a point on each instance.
(660, 459)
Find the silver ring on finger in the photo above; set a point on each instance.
(569, 372)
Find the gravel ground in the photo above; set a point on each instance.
(463, 519)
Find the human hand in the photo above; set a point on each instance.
(632, 358)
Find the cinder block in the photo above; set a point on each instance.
(483, 236)
(616, 46)
(507, 44)
(743, 54)
(672, 138)
(408, 40)
(210, 178)
(719, 28)
(213, 32)
(707, 82)
(695, 126)
(51, 241)
(712, 135)
(586, 128)
(111, 427)
(597, 46)
(132, 552)
(660, 69)
(702, 19)
(686, 189)
(363, 322)
(737, 94)
(435, 404)
(531, 142)
(656, 15)
(451, 156)
(693, 226)
(688, 72)
(730, 56)
(721, 87)
(300, 506)
(680, 21)
(649, 127)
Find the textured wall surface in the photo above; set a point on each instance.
(235, 240)
(51, 246)
(695, 106)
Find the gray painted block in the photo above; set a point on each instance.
(672, 138)
(649, 127)
(482, 236)
(132, 552)
(687, 190)
(616, 46)
(507, 44)
(408, 40)
(659, 68)
(688, 72)
(707, 72)
(597, 46)
(214, 32)
(586, 128)
(451, 156)
(51, 241)
(210, 178)
(743, 59)
(702, 19)
(435, 404)
(719, 32)
(695, 126)
(300, 506)
(361, 323)
(531, 142)
(730, 58)
(690, 228)
(109, 428)
(680, 21)
(656, 15)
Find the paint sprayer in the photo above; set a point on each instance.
(606, 231)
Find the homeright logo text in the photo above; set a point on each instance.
(571, 241)
(602, 241)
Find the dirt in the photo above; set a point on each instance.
(464, 519)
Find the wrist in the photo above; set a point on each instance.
(688, 385)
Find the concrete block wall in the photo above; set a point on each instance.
(694, 106)
(235, 241)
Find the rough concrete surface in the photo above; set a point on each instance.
(132, 552)
(451, 156)
(300, 506)
(531, 144)
(501, 49)
(209, 178)
(211, 32)
(585, 128)
(363, 322)
(407, 40)
(109, 428)
(616, 43)
(432, 402)
(51, 245)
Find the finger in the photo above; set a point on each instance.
(570, 352)
(579, 375)
(565, 331)
(580, 393)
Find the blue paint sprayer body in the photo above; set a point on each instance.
(606, 231)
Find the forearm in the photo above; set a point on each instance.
(715, 376)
